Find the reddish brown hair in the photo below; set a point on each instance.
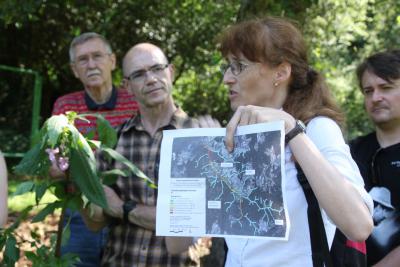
(275, 40)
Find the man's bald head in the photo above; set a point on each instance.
(139, 50)
(149, 76)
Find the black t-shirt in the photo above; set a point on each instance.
(378, 166)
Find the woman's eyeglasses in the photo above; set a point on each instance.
(235, 66)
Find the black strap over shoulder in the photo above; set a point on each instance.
(319, 242)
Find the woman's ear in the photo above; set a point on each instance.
(283, 73)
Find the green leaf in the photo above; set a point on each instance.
(23, 188)
(3, 239)
(66, 234)
(55, 126)
(110, 180)
(46, 211)
(11, 251)
(90, 135)
(75, 203)
(82, 116)
(32, 162)
(135, 170)
(59, 189)
(35, 235)
(79, 142)
(115, 172)
(107, 134)
(83, 173)
(69, 259)
(71, 116)
(94, 144)
(110, 177)
(40, 190)
(31, 256)
(42, 252)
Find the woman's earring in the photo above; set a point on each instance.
(276, 84)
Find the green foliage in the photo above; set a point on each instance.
(83, 173)
(131, 167)
(340, 34)
(186, 30)
(24, 188)
(107, 137)
(203, 93)
(49, 209)
(33, 162)
(60, 142)
(42, 257)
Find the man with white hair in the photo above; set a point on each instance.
(92, 62)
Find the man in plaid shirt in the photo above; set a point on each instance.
(132, 204)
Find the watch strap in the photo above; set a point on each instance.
(127, 207)
(298, 128)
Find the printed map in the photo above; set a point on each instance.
(243, 188)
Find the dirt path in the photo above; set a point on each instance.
(43, 229)
(200, 253)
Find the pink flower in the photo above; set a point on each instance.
(52, 154)
(63, 163)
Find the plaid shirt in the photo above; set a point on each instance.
(129, 244)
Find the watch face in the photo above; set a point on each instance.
(301, 124)
(129, 205)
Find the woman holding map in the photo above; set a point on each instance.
(269, 79)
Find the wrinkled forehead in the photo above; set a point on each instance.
(90, 46)
(143, 59)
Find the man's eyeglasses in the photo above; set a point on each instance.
(140, 75)
(97, 57)
(235, 66)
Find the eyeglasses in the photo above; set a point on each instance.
(235, 66)
(97, 57)
(140, 75)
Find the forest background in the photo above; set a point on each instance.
(35, 34)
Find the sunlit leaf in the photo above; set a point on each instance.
(66, 234)
(33, 161)
(75, 203)
(23, 188)
(46, 211)
(94, 143)
(83, 173)
(40, 190)
(111, 176)
(135, 170)
(107, 134)
(55, 126)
